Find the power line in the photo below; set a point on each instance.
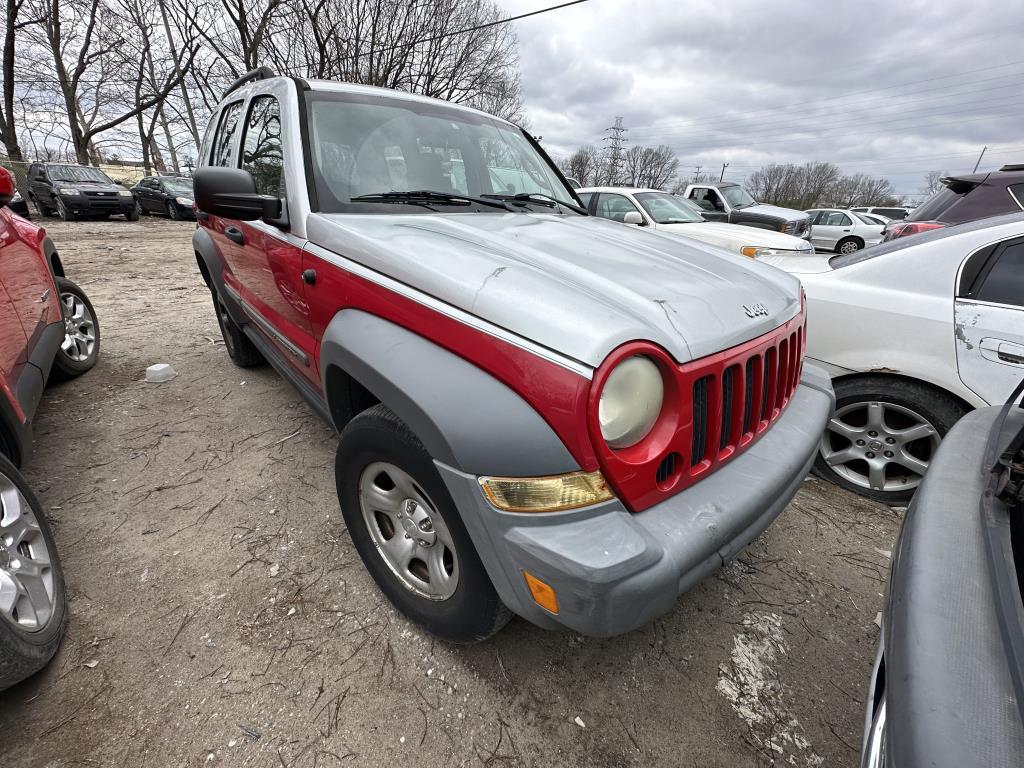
(868, 90)
(668, 125)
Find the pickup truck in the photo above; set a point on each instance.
(728, 201)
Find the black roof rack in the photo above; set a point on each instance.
(261, 73)
(1014, 167)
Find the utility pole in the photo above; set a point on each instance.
(616, 137)
(724, 166)
(979, 158)
(696, 173)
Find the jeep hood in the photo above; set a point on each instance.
(580, 286)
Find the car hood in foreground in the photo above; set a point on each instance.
(580, 286)
(789, 214)
(736, 236)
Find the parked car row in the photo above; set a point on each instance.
(48, 331)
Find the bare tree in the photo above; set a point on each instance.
(932, 183)
(584, 165)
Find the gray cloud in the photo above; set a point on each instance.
(875, 86)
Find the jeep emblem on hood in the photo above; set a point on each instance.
(756, 310)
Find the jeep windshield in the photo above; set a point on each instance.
(667, 209)
(78, 174)
(738, 197)
(392, 155)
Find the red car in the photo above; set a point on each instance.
(47, 329)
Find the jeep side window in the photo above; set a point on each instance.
(222, 142)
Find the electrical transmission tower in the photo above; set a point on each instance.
(615, 137)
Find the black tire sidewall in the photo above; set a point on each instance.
(64, 366)
(24, 653)
(856, 241)
(474, 612)
(942, 411)
(172, 212)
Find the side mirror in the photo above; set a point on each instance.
(7, 188)
(633, 217)
(231, 194)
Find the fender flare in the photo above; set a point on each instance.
(464, 417)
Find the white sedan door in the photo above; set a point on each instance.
(833, 227)
(989, 320)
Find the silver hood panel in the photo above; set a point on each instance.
(579, 286)
(787, 214)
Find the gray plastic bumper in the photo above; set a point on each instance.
(614, 571)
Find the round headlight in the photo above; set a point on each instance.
(630, 402)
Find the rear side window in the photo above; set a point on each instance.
(935, 206)
(262, 151)
(223, 141)
(1004, 283)
(1017, 192)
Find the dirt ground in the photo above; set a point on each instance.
(219, 614)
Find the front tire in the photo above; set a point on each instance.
(849, 245)
(406, 529)
(44, 210)
(132, 214)
(81, 346)
(33, 602)
(172, 210)
(65, 213)
(241, 350)
(882, 436)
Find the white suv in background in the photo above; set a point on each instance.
(663, 212)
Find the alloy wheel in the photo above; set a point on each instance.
(27, 595)
(408, 532)
(79, 328)
(878, 445)
(850, 246)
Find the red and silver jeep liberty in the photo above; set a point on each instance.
(539, 411)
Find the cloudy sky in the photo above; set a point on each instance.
(890, 88)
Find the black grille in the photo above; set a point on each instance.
(748, 396)
(727, 385)
(700, 420)
(667, 468)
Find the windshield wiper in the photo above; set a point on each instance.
(548, 200)
(420, 195)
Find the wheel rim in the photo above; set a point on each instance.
(411, 537)
(879, 446)
(26, 575)
(849, 247)
(79, 329)
(224, 320)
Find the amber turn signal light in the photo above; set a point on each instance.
(546, 494)
(543, 594)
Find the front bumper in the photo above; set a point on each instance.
(614, 571)
(98, 204)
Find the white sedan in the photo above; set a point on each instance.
(668, 213)
(843, 231)
(914, 333)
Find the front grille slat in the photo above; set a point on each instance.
(728, 381)
(748, 395)
(698, 447)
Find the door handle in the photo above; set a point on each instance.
(234, 234)
(1002, 351)
(846, 230)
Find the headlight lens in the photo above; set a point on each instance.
(67, 191)
(756, 252)
(183, 201)
(124, 192)
(630, 401)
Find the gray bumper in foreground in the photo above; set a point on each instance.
(614, 571)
